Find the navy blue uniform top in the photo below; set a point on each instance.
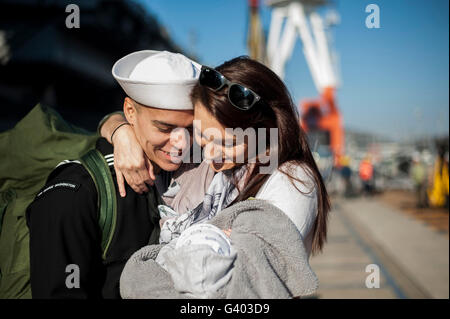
(64, 230)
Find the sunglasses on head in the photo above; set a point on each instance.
(239, 96)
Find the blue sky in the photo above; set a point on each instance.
(394, 79)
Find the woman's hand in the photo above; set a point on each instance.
(130, 162)
(227, 232)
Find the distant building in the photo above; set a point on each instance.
(41, 60)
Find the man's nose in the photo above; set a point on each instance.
(179, 138)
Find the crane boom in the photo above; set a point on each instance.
(302, 20)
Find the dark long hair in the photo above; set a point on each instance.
(275, 111)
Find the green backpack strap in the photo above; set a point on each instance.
(96, 165)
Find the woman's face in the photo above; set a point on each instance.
(219, 145)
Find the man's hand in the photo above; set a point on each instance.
(130, 162)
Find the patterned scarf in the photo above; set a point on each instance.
(221, 192)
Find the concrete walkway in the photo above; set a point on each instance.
(412, 258)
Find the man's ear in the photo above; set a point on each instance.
(129, 109)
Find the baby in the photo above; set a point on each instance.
(200, 261)
(178, 231)
(198, 255)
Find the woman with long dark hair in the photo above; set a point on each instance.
(297, 187)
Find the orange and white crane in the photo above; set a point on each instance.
(320, 116)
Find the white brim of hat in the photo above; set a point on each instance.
(171, 95)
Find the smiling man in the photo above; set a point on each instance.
(160, 132)
(64, 218)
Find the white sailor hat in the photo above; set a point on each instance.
(158, 79)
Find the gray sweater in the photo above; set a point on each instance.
(270, 261)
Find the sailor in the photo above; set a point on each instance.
(63, 219)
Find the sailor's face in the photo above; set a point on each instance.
(165, 135)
